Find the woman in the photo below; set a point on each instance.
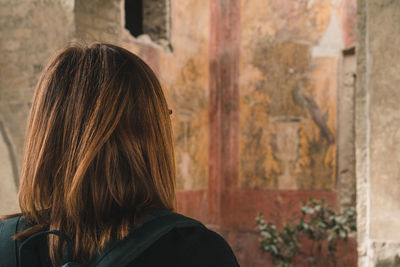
(99, 162)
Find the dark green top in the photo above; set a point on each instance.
(194, 247)
(165, 239)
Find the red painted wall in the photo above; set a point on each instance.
(225, 206)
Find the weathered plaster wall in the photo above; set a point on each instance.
(97, 20)
(8, 187)
(347, 11)
(346, 182)
(186, 76)
(182, 66)
(377, 134)
(30, 32)
(253, 88)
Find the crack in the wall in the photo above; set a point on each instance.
(11, 154)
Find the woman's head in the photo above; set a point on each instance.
(99, 149)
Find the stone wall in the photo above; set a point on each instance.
(30, 32)
(377, 134)
(97, 20)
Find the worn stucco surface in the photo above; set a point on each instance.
(8, 188)
(30, 32)
(184, 75)
(253, 86)
(384, 117)
(377, 134)
(346, 184)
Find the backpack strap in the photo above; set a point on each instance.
(159, 223)
(8, 246)
(28, 256)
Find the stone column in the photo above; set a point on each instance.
(378, 132)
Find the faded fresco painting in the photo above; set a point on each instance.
(287, 95)
(190, 119)
(185, 77)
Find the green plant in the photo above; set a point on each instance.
(314, 237)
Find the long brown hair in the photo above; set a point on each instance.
(99, 149)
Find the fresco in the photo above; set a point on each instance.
(190, 118)
(184, 73)
(287, 97)
(317, 150)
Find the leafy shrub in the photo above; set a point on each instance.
(313, 238)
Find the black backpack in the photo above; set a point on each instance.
(14, 253)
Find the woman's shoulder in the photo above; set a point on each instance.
(188, 246)
(9, 223)
(200, 238)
